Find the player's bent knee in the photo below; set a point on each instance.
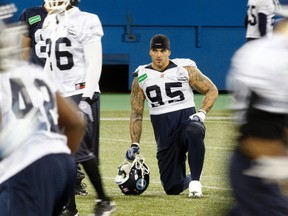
(195, 129)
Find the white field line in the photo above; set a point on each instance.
(217, 188)
(158, 182)
(212, 118)
(153, 143)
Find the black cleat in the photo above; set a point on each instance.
(67, 212)
(80, 189)
(104, 208)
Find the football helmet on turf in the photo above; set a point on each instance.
(133, 177)
(57, 5)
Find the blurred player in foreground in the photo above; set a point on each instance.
(74, 60)
(36, 165)
(168, 86)
(36, 54)
(259, 165)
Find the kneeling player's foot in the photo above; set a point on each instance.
(80, 189)
(195, 189)
(69, 212)
(104, 208)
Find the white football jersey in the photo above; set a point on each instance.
(255, 7)
(65, 41)
(166, 91)
(260, 67)
(22, 90)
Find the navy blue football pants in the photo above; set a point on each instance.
(254, 196)
(189, 138)
(42, 188)
(89, 147)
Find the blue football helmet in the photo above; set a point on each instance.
(133, 177)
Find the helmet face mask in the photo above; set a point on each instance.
(57, 5)
(133, 177)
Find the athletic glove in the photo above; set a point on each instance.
(199, 116)
(131, 152)
(85, 107)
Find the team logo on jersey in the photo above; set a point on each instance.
(182, 79)
(71, 32)
(142, 77)
(34, 19)
(162, 75)
(80, 86)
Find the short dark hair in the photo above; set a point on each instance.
(160, 41)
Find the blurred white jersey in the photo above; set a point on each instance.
(169, 90)
(65, 37)
(254, 7)
(23, 90)
(260, 67)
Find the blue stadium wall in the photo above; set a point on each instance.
(208, 32)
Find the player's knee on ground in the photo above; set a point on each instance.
(176, 190)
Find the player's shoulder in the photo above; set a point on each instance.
(243, 52)
(28, 69)
(25, 72)
(84, 22)
(251, 54)
(184, 62)
(265, 4)
(33, 10)
(83, 16)
(49, 22)
(33, 14)
(252, 2)
(254, 45)
(86, 26)
(140, 69)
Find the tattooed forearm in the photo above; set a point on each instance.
(137, 104)
(209, 100)
(203, 85)
(135, 128)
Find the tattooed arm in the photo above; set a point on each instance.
(137, 99)
(203, 85)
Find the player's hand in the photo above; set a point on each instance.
(89, 100)
(85, 108)
(132, 151)
(199, 116)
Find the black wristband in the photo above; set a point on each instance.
(88, 100)
(135, 145)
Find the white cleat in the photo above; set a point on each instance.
(195, 189)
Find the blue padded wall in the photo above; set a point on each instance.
(208, 32)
